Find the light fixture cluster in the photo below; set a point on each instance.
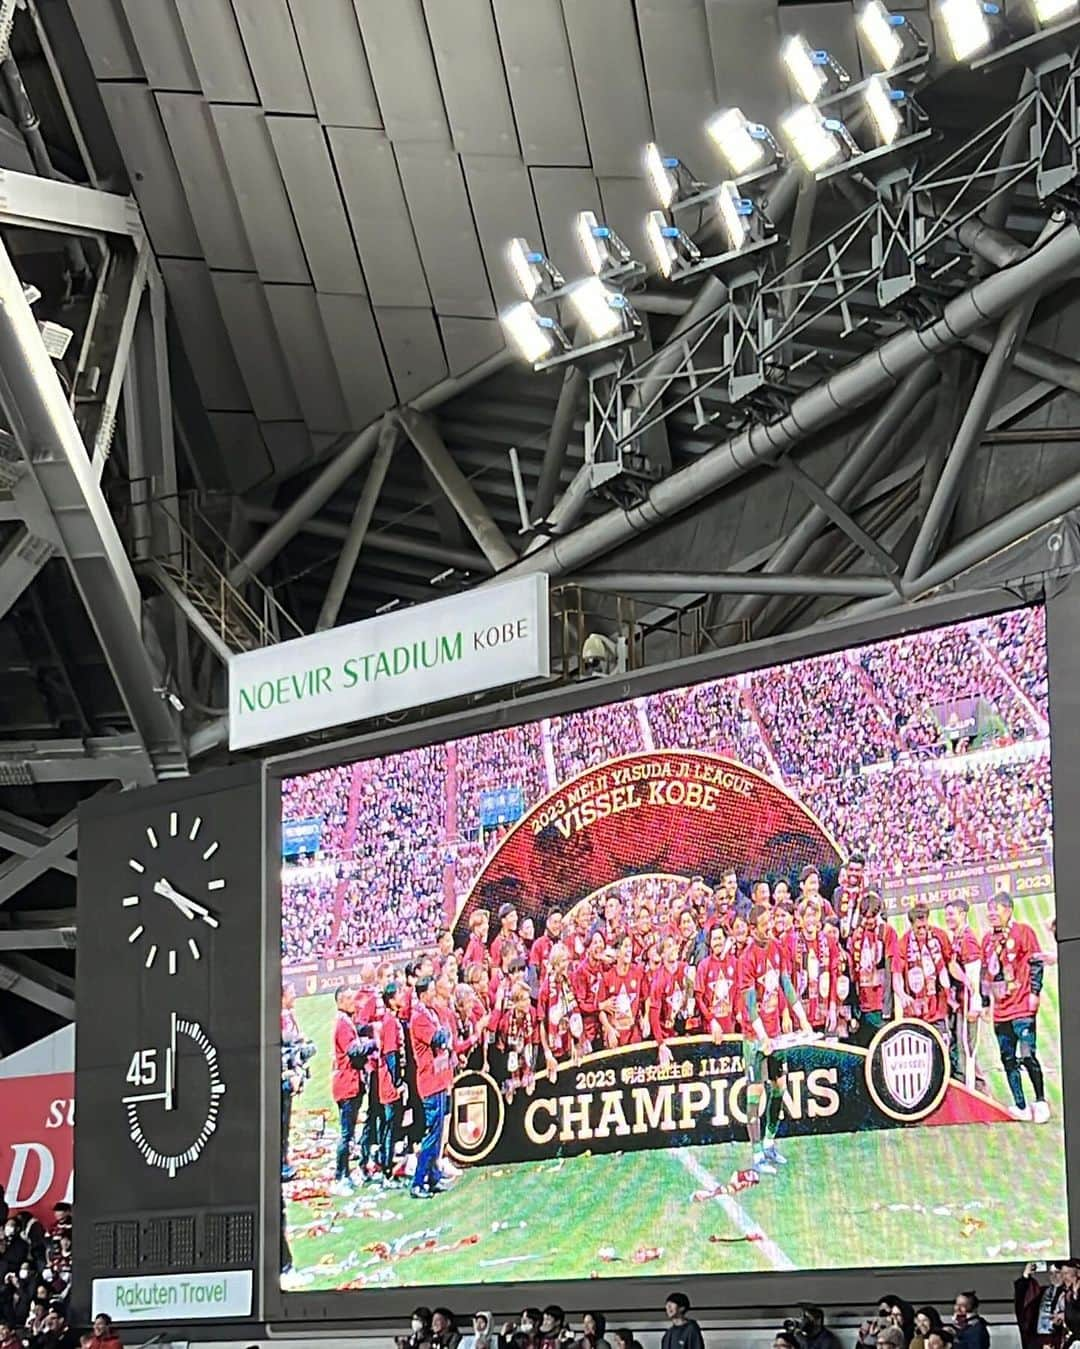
(813, 132)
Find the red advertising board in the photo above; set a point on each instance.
(37, 1137)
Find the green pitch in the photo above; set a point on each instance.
(911, 1196)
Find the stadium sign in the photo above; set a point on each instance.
(481, 639)
(174, 1297)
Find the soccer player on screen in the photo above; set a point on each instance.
(814, 956)
(716, 984)
(765, 981)
(924, 956)
(875, 968)
(965, 968)
(1013, 979)
(622, 991)
(561, 1025)
(670, 997)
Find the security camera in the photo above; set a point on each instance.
(599, 656)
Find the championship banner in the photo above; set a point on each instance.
(625, 1100)
(1031, 875)
(672, 812)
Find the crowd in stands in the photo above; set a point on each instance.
(710, 717)
(35, 1284)
(822, 718)
(854, 735)
(589, 738)
(510, 757)
(1046, 1307)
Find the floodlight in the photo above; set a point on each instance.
(805, 66)
(883, 103)
(531, 335)
(662, 173)
(882, 33)
(532, 270)
(669, 244)
(967, 25)
(602, 247)
(736, 215)
(597, 307)
(1046, 11)
(745, 145)
(817, 140)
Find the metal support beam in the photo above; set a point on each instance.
(17, 872)
(340, 470)
(846, 523)
(866, 454)
(562, 424)
(34, 990)
(731, 583)
(380, 540)
(108, 758)
(37, 939)
(50, 203)
(458, 489)
(358, 526)
(20, 561)
(1036, 360)
(991, 379)
(38, 414)
(868, 377)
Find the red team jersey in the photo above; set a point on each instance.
(587, 980)
(627, 991)
(761, 968)
(815, 967)
(924, 968)
(554, 1006)
(345, 1081)
(966, 950)
(1007, 957)
(390, 1042)
(540, 953)
(434, 1067)
(872, 944)
(667, 1000)
(716, 989)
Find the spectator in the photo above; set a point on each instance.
(621, 1339)
(554, 1332)
(890, 1337)
(813, 1332)
(104, 1333)
(785, 1339)
(444, 1331)
(684, 1332)
(594, 1327)
(55, 1333)
(970, 1330)
(927, 1320)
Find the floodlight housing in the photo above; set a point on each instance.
(601, 246)
(744, 145)
(1049, 11)
(813, 71)
(601, 311)
(669, 244)
(968, 25)
(736, 215)
(884, 104)
(531, 336)
(662, 172)
(818, 141)
(532, 269)
(883, 33)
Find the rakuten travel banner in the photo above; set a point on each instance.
(37, 1140)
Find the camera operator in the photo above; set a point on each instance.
(811, 1331)
(297, 1051)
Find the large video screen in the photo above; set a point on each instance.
(754, 974)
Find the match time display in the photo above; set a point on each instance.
(643, 989)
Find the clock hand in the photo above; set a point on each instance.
(163, 888)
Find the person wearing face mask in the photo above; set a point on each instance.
(419, 1329)
(528, 1325)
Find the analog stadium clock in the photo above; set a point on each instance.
(176, 879)
(173, 1110)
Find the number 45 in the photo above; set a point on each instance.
(142, 1071)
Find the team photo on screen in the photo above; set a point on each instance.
(758, 973)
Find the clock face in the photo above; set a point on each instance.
(175, 887)
(173, 1109)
